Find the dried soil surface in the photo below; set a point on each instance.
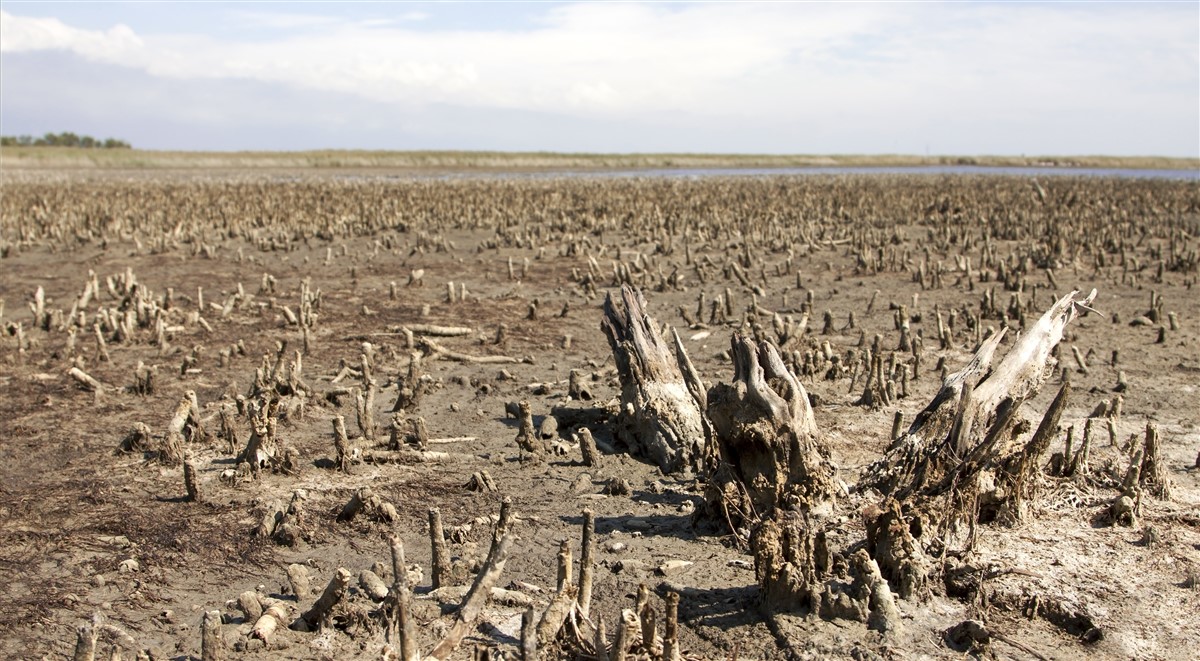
(85, 529)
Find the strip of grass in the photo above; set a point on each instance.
(60, 157)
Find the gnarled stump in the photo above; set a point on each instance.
(662, 397)
(964, 427)
(766, 450)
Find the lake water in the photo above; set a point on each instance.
(1048, 171)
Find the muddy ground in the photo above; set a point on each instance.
(85, 529)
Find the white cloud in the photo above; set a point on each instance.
(20, 34)
(899, 66)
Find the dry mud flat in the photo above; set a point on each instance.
(229, 400)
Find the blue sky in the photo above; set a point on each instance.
(1119, 78)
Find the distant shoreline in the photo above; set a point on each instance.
(21, 157)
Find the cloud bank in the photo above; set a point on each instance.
(951, 78)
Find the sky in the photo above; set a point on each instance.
(961, 78)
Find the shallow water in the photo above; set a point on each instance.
(1046, 171)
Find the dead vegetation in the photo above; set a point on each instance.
(249, 416)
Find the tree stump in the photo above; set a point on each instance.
(662, 397)
(766, 451)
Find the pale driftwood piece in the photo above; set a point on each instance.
(411, 387)
(364, 499)
(116, 636)
(473, 604)
(364, 406)
(883, 614)
(435, 331)
(139, 439)
(84, 379)
(184, 419)
(413, 456)
(212, 647)
(767, 453)
(600, 642)
(587, 562)
(143, 380)
(299, 581)
(1031, 458)
(273, 617)
(438, 351)
(648, 619)
(317, 617)
(662, 398)
(372, 585)
(440, 562)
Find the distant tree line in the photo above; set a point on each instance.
(64, 139)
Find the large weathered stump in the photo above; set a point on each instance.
(662, 397)
(766, 452)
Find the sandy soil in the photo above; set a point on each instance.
(85, 529)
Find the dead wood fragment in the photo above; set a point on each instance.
(318, 617)
(587, 447)
(587, 561)
(413, 456)
(440, 563)
(576, 388)
(189, 481)
(1153, 472)
(529, 638)
(341, 445)
(436, 350)
(250, 605)
(85, 642)
(481, 481)
(212, 647)
(527, 438)
(671, 650)
(372, 585)
(273, 617)
(139, 439)
(85, 380)
(365, 500)
(401, 628)
(437, 331)
(411, 387)
(299, 581)
(473, 603)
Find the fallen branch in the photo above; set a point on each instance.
(473, 604)
(438, 351)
